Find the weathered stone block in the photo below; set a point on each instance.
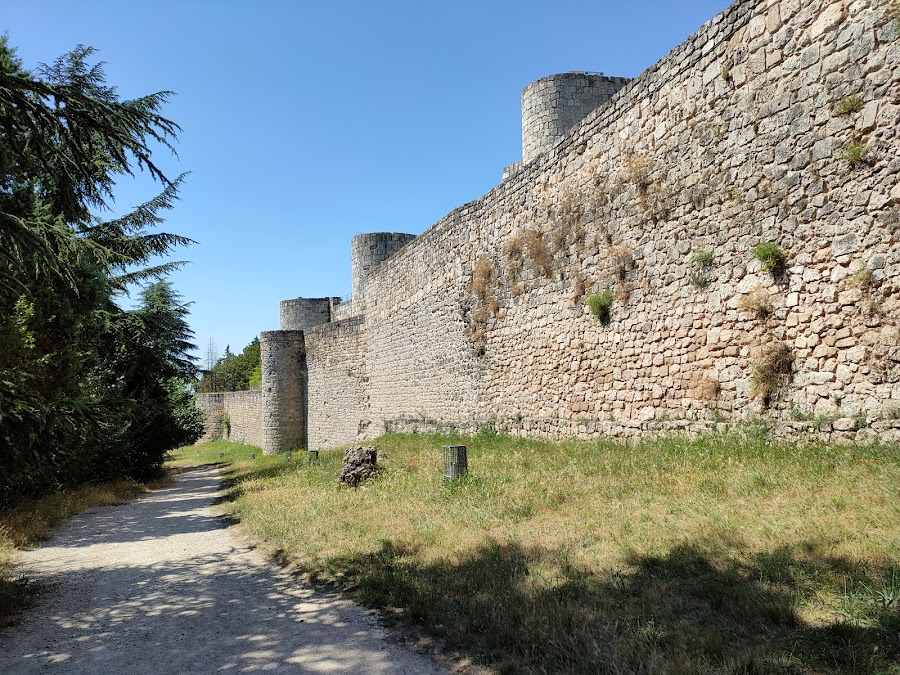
(359, 465)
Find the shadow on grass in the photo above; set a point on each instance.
(690, 611)
(232, 477)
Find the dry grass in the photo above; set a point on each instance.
(637, 172)
(30, 523)
(513, 250)
(621, 257)
(538, 252)
(725, 554)
(862, 279)
(482, 278)
(706, 388)
(771, 371)
(758, 303)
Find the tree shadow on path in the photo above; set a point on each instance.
(159, 585)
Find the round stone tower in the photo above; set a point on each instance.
(367, 251)
(305, 313)
(553, 105)
(284, 394)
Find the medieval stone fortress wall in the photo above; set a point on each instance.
(714, 240)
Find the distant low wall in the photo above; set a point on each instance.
(233, 416)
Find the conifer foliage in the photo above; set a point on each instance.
(88, 391)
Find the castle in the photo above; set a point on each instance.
(718, 238)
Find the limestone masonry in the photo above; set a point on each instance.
(732, 217)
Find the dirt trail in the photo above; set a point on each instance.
(159, 585)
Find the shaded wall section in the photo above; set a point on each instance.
(233, 416)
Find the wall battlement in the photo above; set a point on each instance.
(775, 123)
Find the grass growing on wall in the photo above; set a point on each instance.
(32, 522)
(727, 554)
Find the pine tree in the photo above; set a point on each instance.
(66, 136)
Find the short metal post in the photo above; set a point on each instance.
(456, 461)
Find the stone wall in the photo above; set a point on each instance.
(341, 309)
(244, 410)
(719, 241)
(213, 408)
(776, 122)
(338, 383)
(233, 416)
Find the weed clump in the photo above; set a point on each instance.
(707, 388)
(637, 171)
(848, 105)
(701, 268)
(861, 279)
(514, 250)
(482, 278)
(622, 259)
(759, 303)
(770, 372)
(600, 305)
(855, 153)
(770, 256)
(538, 252)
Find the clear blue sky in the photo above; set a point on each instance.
(308, 122)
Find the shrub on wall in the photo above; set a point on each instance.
(848, 105)
(770, 372)
(770, 256)
(701, 268)
(855, 153)
(758, 303)
(600, 305)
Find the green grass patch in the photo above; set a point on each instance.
(727, 553)
(32, 522)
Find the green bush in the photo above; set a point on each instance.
(600, 305)
(848, 105)
(701, 268)
(770, 255)
(854, 152)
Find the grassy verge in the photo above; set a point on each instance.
(32, 522)
(724, 554)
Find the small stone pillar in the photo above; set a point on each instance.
(284, 394)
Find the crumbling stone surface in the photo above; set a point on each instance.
(360, 464)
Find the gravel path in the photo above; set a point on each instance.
(159, 585)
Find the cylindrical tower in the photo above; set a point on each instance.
(305, 313)
(367, 251)
(553, 105)
(284, 395)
